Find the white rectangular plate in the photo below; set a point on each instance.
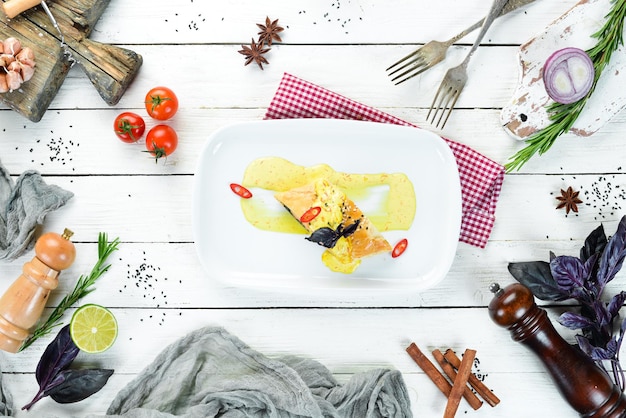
(235, 252)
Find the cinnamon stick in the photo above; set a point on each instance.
(480, 388)
(447, 368)
(460, 383)
(429, 368)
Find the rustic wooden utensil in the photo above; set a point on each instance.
(110, 69)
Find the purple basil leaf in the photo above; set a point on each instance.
(584, 344)
(608, 353)
(594, 244)
(616, 304)
(574, 321)
(580, 294)
(58, 356)
(603, 317)
(79, 384)
(613, 255)
(568, 272)
(536, 276)
(591, 281)
(612, 346)
(601, 354)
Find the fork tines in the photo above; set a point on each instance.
(416, 65)
(445, 104)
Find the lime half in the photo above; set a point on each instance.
(93, 328)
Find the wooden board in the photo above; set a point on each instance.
(109, 68)
(526, 113)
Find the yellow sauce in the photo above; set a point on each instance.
(394, 209)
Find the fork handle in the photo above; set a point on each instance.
(494, 12)
(508, 7)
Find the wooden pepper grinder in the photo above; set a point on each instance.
(583, 384)
(13, 8)
(22, 304)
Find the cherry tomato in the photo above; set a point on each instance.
(129, 127)
(240, 191)
(161, 141)
(161, 103)
(399, 248)
(310, 214)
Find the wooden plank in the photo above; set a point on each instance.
(131, 195)
(477, 128)
(187, 285)
(109, 68)
(324, 22)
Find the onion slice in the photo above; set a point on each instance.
(568, 75)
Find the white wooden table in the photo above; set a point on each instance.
(191, 46)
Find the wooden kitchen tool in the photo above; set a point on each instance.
(109, 68)
(12, 8)
(583, 384)
(526, 112)
(23, 302)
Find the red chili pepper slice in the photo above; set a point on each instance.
(399, 248)
(310, 214)
(240, 191)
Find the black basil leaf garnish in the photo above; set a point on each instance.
(79, 384)
(326, 237)
(351, 229)
(536, 275)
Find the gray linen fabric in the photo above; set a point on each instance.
(211, 373)
(5, 400)
(23, 206)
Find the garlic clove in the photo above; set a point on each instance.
(14, 80)
(12, 46)
(27, 72)
(26, 54)
(6, 59)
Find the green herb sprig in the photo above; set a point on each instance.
(563, 116)
(83, 287)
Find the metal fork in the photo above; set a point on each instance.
(456, 77)
(434, 52)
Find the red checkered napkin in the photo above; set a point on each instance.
(481, 178)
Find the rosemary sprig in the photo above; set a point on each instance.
(563, 116)
(83, 287)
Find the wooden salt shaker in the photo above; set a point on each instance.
(22, 304)
(583, 384)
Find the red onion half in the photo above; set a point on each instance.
(568, 75)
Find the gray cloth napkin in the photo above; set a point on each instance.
(5, 400)
(211, 373)
(23, 206)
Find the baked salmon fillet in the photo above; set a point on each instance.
(337, 223)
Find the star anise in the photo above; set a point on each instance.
(269, 31)
(568, 200)
(254, 52)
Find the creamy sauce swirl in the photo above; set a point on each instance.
(392, 194)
